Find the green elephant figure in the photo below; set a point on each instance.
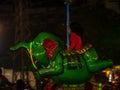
(49, 58)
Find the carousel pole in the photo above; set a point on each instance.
(67, 22)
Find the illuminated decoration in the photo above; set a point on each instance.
(117, 67)
(76, 52)
(100, 86)
(73, 68)
(110, 78)
(33, 63)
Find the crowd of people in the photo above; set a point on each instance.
(5, 84)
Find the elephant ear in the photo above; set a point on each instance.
(50, 46)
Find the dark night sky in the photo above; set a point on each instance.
(102, 27)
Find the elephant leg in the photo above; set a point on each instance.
(54, 68)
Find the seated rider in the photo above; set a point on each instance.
(76, 33)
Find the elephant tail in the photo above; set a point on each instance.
(100, 65)
(92, 62)
(20, 45)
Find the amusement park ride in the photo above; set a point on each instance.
(50, 59)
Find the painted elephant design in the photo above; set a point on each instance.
(66, 68)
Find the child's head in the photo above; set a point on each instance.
(76, 28)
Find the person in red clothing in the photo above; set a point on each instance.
(76, 33)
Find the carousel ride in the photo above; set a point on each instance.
(67, 68)
(49, 58)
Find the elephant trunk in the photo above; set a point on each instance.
(19, 45)
(99, 65)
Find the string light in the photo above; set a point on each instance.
(100, 86)
(31, 57)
